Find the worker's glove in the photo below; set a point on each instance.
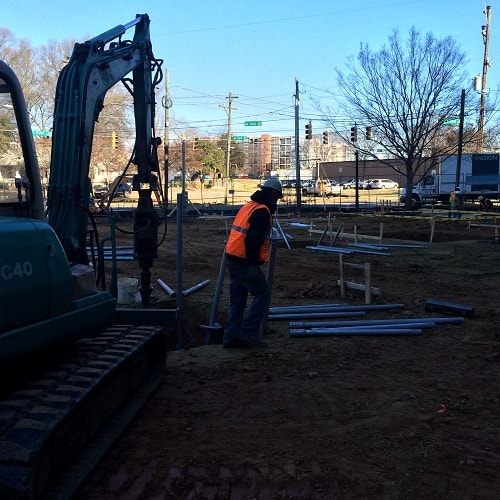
(254, 272)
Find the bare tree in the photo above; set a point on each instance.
(110, 157)
(405, 92)
(50, 59)
(20, 55)
(38, 71)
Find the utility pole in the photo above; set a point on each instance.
(356, 154)
(460, 138)
(229, 107)
(354, 140)
(297, 149)
(167, 104)
(485, 30)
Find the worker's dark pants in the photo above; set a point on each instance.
(245, 280)
(455, 214)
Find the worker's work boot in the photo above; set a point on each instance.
(243, 342)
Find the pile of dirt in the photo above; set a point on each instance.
(378, 416)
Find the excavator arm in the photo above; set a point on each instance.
(94, 67)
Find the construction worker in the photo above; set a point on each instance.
(485, 204)
(247, 248)
(455, 204)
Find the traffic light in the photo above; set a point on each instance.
(114, 140)
(368, 134)
(196, 143)
(325, 137)
(354, 134)
(309, 131)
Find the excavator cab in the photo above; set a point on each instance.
(21, 192)
(41, 293)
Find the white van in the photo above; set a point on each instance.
(381, 184)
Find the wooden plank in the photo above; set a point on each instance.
(359, 286)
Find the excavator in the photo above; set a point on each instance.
(71, 378)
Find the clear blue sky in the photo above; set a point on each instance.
(256, 49)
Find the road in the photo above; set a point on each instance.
(239, 191)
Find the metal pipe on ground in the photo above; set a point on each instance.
(306, 308)
(372, 252)
(335, 307)
(118, 252)
(402, 245)
(329, 313)
(119, 248)
(347, 251)
(343, 323)
(402, 324)
(212, 324)
(325, 330)
(119, 257)
(355, 331)
(331, 249)
(312, 315)
(368, 246)
(165, 287)
(194, 288)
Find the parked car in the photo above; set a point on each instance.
(351, 184)
(321, 187)
(122, 191)
(382, 184)
(289, 183)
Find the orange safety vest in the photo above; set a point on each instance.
(236, 241)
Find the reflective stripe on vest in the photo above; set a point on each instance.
(236, 241)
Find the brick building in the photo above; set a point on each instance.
(367, 169)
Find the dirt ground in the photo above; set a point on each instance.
(331, 416)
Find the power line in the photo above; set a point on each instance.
(288, 19)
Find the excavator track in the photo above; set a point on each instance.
(57, 426)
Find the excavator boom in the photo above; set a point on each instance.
(94, 67)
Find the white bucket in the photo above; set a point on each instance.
(127, 291)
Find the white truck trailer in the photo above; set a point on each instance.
(479, 176)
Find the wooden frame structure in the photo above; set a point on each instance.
(366, 286)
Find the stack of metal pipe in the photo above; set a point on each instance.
(335, 327)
